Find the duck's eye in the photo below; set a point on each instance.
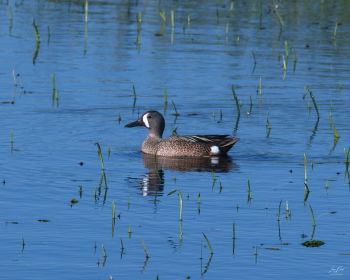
(149, 117)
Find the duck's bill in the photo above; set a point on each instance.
(136, 123)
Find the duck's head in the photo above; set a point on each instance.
(153, 120)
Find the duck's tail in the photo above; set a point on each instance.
(226, 144)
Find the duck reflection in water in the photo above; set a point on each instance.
(153, 182)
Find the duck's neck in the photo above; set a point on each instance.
(156, 133)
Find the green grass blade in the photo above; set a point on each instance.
(208, 243)
(145, 249)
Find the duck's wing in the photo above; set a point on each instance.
(197, 138)
(211, 138)
(223, 142)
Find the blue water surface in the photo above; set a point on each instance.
(121, 60)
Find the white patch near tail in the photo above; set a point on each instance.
(145, 120)
(214, 150)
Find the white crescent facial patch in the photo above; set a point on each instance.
(145, 120)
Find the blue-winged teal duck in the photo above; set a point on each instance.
(176, 145)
